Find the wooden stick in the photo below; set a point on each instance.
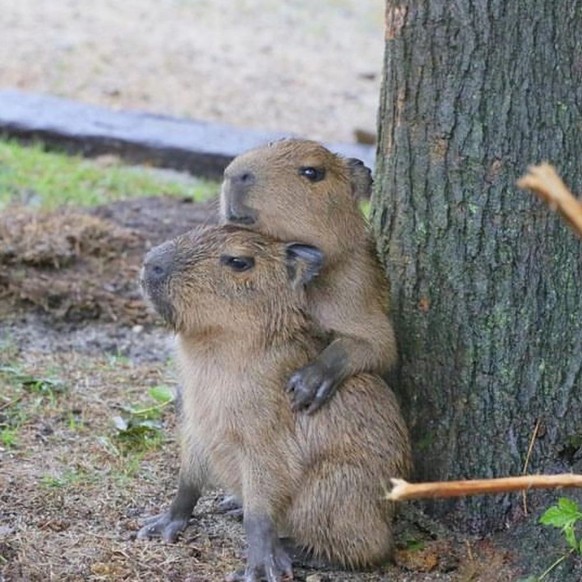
(403, 490)
(544, 181)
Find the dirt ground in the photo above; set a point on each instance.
(303, 67)
(78, 348)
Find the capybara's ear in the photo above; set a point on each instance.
(361, 179)
(304, 262)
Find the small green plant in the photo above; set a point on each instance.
(566, 516)
(46, 386)
(414, 545)
(140, 429)
(39, 385)
(163, 395)
(8, 437)
(65, 479)
(138, 434)
(74, 421)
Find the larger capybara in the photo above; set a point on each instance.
(298, 191)
(239, 304)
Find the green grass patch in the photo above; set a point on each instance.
(8, 437)
(32, 176)
(24, 397)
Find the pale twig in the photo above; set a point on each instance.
(556, 564)
(402, 490)
(527, 457)
(545, 182)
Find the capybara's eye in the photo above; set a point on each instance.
(238, 264)
(312, 174)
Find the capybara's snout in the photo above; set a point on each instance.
(235, 190)
(157, 269)
(158, 265)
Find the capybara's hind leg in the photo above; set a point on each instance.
(342, 518)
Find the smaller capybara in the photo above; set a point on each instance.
(238, 304)
(297, 190)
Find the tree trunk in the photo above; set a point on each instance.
(486, 282)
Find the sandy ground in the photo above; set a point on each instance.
(310, 68)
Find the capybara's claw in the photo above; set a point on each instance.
(162, 526)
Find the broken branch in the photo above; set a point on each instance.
(544, 181)
(402, 490)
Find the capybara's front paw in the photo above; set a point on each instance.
(163, 526)
(312, 386)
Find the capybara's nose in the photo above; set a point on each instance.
(243, 179)
(158, 264)
(155, 271)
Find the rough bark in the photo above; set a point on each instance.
(486, 282)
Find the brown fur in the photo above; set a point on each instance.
(320, 478)
(350, 297)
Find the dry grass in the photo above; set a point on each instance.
(50, 260)
(72, 492)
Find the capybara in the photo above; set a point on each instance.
(298, 191)
(238, 302)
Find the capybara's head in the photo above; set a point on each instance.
(296, 189)
(227, 277)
